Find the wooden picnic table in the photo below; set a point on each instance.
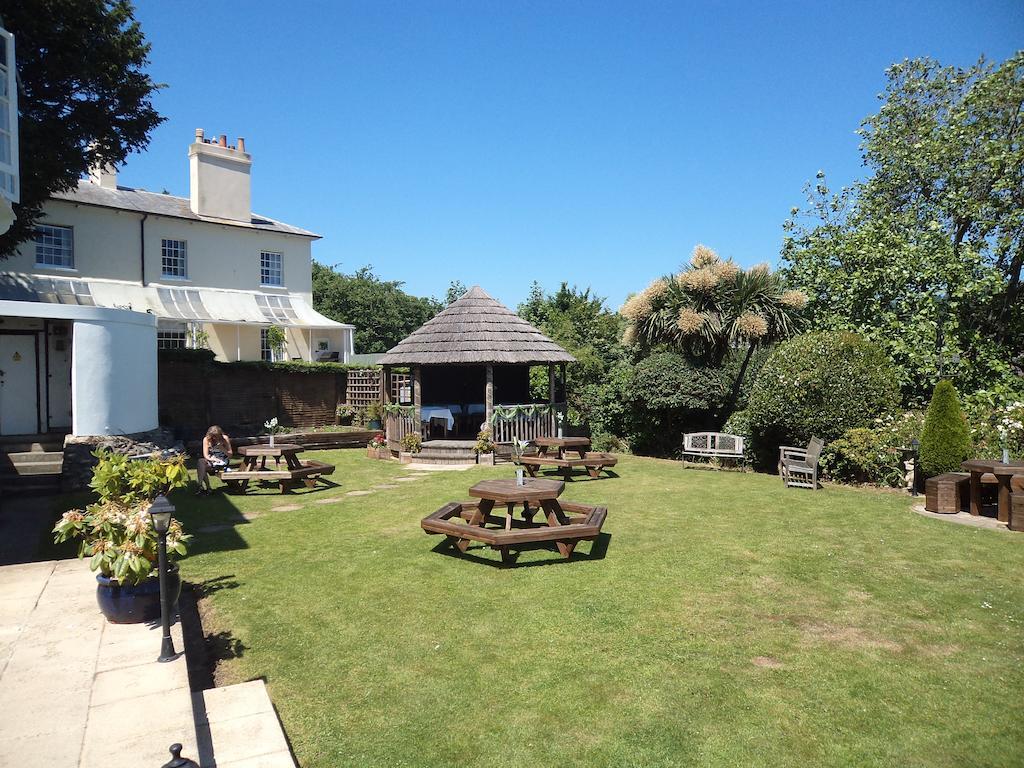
(578, 445)
(565, 524)
(254, 467)
(1003, 474)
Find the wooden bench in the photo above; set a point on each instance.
(593, 463)
(712, 445)
(308, 473)
(462, 522)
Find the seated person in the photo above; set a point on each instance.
(216, 456)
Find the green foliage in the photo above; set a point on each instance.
(455, 290)
(412, 442)
(484, 442)
(276, 341)
(85, 97)
(116, 532)
(925, 256)
(821, 384)
(996, 418)
(382, 312)
(582, 324)
(945, 439)
(874, 454)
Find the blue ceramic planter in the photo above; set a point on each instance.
(135, 604)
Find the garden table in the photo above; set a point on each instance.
(254, 467)
(1003, 473)
(567, 523)
(578, 445)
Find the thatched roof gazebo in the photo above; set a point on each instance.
(476, 350)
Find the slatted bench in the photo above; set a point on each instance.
(462, 522)
(592, 462)
(712, 445)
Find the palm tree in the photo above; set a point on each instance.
(713, 307)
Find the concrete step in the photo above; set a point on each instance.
(42, 467)
(241, 726)
(33, 457)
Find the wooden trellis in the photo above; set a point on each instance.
(363, 387)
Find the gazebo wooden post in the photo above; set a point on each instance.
(416, 402)
(489, 395)
(551, 383)
(385, 385)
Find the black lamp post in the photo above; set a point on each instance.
(177, 761)
(160, 511)
(915, 446)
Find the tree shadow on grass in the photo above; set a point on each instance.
(598, 551)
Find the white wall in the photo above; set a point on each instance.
(107, 246)
(114, 375)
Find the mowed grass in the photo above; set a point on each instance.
(724, 621)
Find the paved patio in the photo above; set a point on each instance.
(78, 692)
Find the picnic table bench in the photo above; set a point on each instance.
(565, 523)
(254, 468)
(593, 463)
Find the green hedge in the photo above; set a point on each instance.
(945, 439)
(293, 366)
(822, 384)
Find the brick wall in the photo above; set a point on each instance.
(193, 394)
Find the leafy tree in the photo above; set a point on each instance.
(712, 308)
(84, 98)
(822, 384)
(582, 324)
(381, 311)
(455, 290)
(925, 256)
(945, 439)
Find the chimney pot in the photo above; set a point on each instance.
(199, 134)
(223, 139)
(241, 144)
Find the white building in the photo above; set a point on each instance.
(201, 271)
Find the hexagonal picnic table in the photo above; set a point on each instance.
(564, 523)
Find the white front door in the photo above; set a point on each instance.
(19, 387)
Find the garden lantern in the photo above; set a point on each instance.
(915, 447)
(177, 761)
(160, 512)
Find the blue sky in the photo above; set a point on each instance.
(501, 143)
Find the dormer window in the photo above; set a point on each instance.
(271, 269)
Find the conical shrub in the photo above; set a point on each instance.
(945, 439)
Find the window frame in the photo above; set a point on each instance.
(280, 269)
(9, 74)
(163, 336)
(183, 256)
(266, 353)
(43, 265)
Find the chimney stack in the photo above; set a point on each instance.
(104, 176)
(219, 178)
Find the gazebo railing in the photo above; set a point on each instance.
(524, 422)
(397, 426)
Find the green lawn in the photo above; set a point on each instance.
(725, 621)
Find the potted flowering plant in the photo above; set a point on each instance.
(377, 448)
(412, 444)
(272, 429)
(484, 447)
(116, 532)
(518, 450)
(559, 417)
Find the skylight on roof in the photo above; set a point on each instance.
(277, 309)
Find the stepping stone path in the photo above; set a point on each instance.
(286, 508)
(328, 500)
(408, 479)
(384, 487)
(359, 493)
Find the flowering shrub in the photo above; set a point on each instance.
(412, 442)
(378, 441)
(484, 442)
(822, 384)
(996, 418)
(874, 454)
(117, 531)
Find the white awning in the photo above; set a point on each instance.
(167, 302)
